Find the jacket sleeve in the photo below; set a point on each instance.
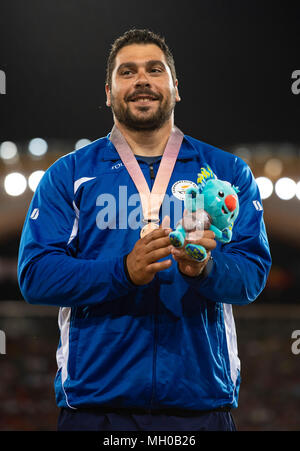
(239, 269)
(48, 271)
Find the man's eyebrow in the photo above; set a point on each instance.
(127, 64)
(155, 62)
(132, 64)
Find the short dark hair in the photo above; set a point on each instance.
(138, 36)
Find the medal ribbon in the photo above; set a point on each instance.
(151, 201)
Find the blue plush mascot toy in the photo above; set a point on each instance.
(214, 207)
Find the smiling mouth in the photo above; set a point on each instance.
(224, 210)
(143, 96)
(143, 99)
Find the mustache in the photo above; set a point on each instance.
(145, 92)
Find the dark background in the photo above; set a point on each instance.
(234, 62)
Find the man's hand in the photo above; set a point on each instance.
(186, 264)
(142, 262)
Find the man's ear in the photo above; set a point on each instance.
(108, 99)
(177, 96)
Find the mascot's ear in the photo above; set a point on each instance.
(236, 189)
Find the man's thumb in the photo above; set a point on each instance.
(165, 223)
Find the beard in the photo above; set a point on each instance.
(143, 121)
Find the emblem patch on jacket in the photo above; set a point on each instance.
(179, 188)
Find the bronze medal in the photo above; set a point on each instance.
(148, 228)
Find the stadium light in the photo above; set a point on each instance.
(265, 187)
(37, 147)
(8, 150)
(15, 184)
(298, 190)
(273, 167)
(285, 188)
(81, 143)
(34, 179)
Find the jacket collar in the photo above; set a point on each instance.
(187, 150)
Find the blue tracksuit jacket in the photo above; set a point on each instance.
(168, 344)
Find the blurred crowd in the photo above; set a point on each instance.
(269, 395)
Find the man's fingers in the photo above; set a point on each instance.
(159, 266)
(165, 224)
(181, 255)
(157, 254)
(143, 260)
(209, 234)
(155, 234)
(158, 243)
(205, 242)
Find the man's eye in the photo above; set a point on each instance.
(156, 70)
(125, 72)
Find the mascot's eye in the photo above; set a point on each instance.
(221, 194)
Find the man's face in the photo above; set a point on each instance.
(142, 94)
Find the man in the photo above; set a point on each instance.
(147, 333)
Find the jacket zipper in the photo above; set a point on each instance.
(154, 354)
(152, 178)
(152, 175)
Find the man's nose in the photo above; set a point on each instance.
(142, 79)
